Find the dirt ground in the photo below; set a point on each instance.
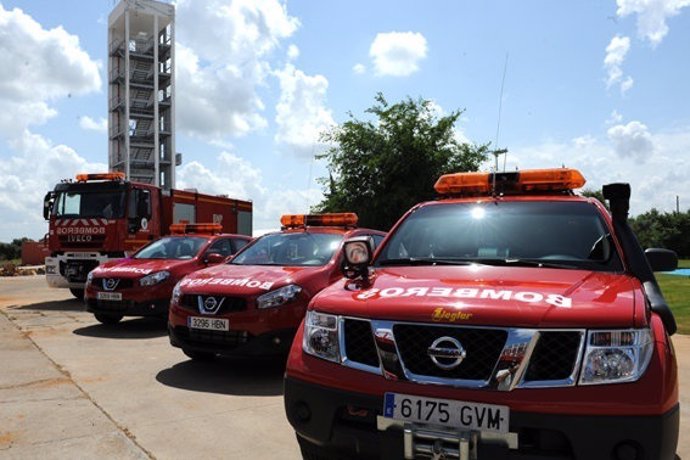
(72, 388)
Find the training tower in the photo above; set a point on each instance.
(141, 91)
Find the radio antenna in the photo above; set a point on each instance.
(496, 151)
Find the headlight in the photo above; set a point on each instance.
(154, 278)
(177, 293)
(616, 356)
(321, 336)
(278, 297)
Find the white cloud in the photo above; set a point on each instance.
(632, 141)
(614, 118)
(237, 177)
(293, 52)
(37, 67)
(616, 52)
(89, 124)
(25, 178)
(221, 65)
(655, 182)
(651, 16)
(359, 69)
(301, 113)
(397, 54)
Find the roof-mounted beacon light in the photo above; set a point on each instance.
(115, 176)
(341, 219)
(475, 183)
(184, 228)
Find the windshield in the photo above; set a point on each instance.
(561, 234)
(172, 248)
(107, 204)
(291, 249)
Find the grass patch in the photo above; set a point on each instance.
(676, 290)
(684, 263)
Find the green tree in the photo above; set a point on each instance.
(382, 167)
(598, 194)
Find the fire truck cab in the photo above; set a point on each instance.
(102, 216)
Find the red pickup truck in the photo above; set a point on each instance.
(509, 319)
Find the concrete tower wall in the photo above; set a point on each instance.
(141, 91)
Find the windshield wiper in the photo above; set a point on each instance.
(425, 261)
(530, 263)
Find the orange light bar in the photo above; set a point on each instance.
(340, 219)
(183, 228)
(551, 179)
(101, 176)
(473, 182)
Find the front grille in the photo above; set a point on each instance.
(76, 270)
(230, 304)
(225, 339)
(359, 342)
(123, 283)
(554, 356)
(483, 347)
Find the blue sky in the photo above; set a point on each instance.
(602, 86)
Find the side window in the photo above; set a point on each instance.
(238, 244)
(222, 247)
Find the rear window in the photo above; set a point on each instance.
(568, 234)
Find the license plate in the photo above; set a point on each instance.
(446, 412)
(211, 324)
(109, 296)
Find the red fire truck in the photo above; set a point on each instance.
(100, 217)
(509, 319)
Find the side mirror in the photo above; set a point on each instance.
(214, 258)
(48, 204)
(358, 252)
(661, 260)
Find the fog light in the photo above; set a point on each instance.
(627, 450)
(302, 412)
(276, 340)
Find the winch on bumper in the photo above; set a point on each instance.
(71, 269)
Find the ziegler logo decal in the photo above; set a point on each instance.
(468, 293)
(265, 285)
(441, 314)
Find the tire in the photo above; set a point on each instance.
(78, 293)
(108, 319)
(199, 355)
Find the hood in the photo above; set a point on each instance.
(244, 280)
(494, 296)
(135, 268)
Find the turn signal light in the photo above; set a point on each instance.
(474, 183)
(341, 219)
(182, 228)
(101, 176)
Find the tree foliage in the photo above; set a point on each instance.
(13, 250)
(664, 230)
(381, 168)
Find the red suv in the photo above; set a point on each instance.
(254, 303)
(142, 284)
(509, 319)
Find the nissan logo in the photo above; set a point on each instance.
(446, 352)
(110, 283)
(210, 305)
